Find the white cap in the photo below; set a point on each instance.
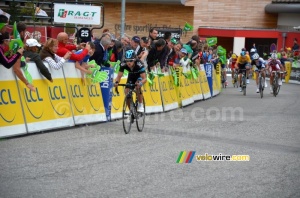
(32, 43)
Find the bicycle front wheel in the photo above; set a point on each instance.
(140, 119)
(127, 115)
(275, 86)
(244, 86)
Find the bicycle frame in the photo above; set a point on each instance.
(275, 85)
(132, 114)
(243, 79)
(261, 82)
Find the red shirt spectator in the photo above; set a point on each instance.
(63, 48)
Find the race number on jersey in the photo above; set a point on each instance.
(85, 35)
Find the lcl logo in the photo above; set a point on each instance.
(92, 91)
(31, 98)
(76, 91)
(5, 97)
(164, 86)
(56, 93)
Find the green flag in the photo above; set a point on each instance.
(211, 41)
(25, 70)
(99, 77)
(159, 73)
(15, 31)
(15, 43)
(222, 54)
(221, 50)
(188, 27)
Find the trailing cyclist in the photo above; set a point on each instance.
(274, 64)
(243, 63)
(260, 64)
(232, 62)
(136, 75)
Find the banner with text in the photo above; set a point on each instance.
(77, 14)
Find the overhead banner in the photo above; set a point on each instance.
(77, 14)
(175, 32)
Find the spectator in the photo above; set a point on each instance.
(167, 37)
(3, 23)
(143, 50)
(173, 57)
(153, 36)
(101, 53)
(63, 47)
(48, 54)
(295, 47)
(4, 42)
(116, 53)
(21, 28)
(158, 55)
(282, 56)
(31, 51)
(82, 65)
(125, 41)
(135, 43)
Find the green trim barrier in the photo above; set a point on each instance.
(71, 100)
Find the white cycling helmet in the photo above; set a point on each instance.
(252, 50)
(273, 56)
(255, 56)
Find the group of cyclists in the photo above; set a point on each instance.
(245, 62)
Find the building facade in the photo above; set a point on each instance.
(236, 23)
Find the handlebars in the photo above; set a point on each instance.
(131, 86)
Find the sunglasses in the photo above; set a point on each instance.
(129, 61)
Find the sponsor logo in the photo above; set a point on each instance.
(6, 99)
(76, 93)
(93, 93)
(31, 98)
(62, 13)
(55, 94)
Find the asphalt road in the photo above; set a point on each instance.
(99, 160)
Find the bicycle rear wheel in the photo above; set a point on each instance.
(140, 118)
(127, 115)
(261, 87)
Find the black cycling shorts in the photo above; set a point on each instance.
(242, 67)
(132, 79)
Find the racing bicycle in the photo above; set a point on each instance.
(130, 113)
(244, 83)
(261, 84)
(235, 78)
(275, 85)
